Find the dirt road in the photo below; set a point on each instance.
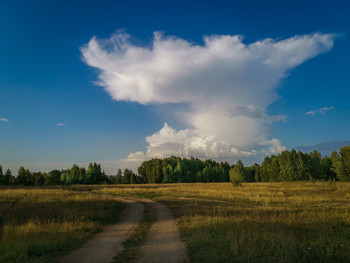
(106, 244)
(164, 244)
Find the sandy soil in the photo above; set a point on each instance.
(106, 244)
(165, 244)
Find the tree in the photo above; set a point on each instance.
(301, 167)
(38, 179)
(236, 173)
(53, 178)
(287, 168)
(326, 165)
(315, 165)
(119, 179)
(8, 178)
(132, 178)
(345, 156)
(337, 166)
(236, 177)
(93, 174)
(127, 176)
(2, 177)
(257, 177)
(24, 177)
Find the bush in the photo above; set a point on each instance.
(236, 177)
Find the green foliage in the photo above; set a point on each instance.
(341, 164)
(127, 176)
(237, 174)
(286, 166)
(119, 179)
(183, 170)
(345, 156)
(53, 178)
(2, 179)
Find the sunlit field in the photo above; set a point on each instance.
(40, 225)
(258, 222)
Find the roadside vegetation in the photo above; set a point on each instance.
(258, 222)
(40, 225)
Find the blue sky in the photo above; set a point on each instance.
(47, 79)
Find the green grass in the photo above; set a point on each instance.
(40, 225)
(259, 222)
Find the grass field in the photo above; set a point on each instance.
(258, 222)
(40, 225)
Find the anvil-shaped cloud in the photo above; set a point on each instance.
(227, 85)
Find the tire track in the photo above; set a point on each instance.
(165, 244)
(103, 246)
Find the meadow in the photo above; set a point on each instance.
(43, 224)
(258, 222)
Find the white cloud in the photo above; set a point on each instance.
(275, 146)
(60, 124)
(227, 84)
(321, 110)
(4, 120)
(186, 143)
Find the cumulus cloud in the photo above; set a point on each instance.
(186, 143)
(321, 110)
(226, 84)
(4, 120)
(60, 124)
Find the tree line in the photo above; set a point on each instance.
(286, 166)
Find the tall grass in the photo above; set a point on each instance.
(39, 225)
(258, 222)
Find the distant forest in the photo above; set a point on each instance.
(286, 166)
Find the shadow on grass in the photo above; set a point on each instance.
(36, 231)
(216, 232)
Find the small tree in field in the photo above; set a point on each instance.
(236, 174)
(236, 177)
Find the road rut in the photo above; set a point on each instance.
(106, 244)
(165, 244)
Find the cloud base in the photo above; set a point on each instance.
(227, 84)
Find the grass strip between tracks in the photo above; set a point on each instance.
(132, 246)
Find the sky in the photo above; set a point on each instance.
(120, 82)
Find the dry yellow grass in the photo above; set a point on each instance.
(259, 222)
(38, 224)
